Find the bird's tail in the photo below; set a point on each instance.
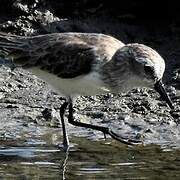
(12, 48)
(10, 45)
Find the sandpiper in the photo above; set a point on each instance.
(86, 64)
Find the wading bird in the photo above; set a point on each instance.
(86, 64)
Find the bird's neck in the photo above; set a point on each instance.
(119, 77)
(111, 75)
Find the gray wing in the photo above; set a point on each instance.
(61, 56)
(66, 60)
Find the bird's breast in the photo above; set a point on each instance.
(88, 84)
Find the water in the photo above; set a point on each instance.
(86, 159)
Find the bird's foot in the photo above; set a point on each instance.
(124, 140)
(63, 146)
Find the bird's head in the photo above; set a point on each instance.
(146, 65)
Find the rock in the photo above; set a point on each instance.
(52, 116)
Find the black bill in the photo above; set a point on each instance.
(159, 87)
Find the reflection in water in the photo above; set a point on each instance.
(65, 163)
(90, 160)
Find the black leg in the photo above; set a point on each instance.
(105, 130)
(65, 136)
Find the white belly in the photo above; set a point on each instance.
(89, 84)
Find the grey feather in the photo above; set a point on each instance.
(65, 54)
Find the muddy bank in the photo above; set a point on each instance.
(139, 114)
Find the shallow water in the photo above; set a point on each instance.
(38, 158)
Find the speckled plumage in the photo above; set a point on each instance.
(126, 70)
(66, 54)
(64, 57)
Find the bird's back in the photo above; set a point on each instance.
(65, 54)
(70, 62)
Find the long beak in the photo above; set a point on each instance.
(159, 87)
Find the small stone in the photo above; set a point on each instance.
(95, 114)
(52, 116)
(47, 114)
(148, 131)
(175, 114)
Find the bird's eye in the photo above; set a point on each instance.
(148, 70)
